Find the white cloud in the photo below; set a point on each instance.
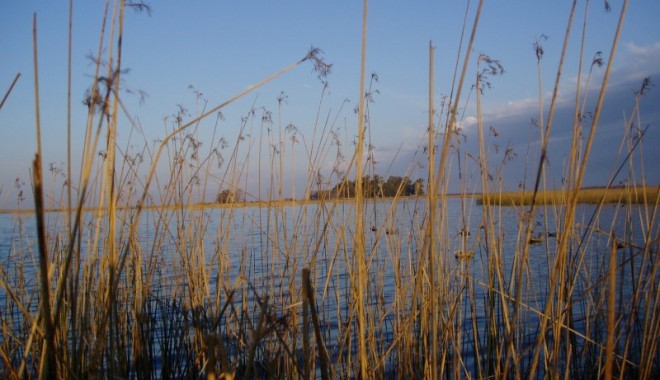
(469, 122)
(637, 61)
(643, 53)
(522, 108)
(634, 63)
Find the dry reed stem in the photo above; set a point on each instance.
(11, 87)
(69, 202)
(49, 358)
(570, 213)
(611, 312)
(308, 295)
(559, 263)
(400, 330)
(430, 238)
(359, 250)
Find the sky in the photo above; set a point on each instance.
(197, 54)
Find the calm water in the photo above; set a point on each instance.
(261, 252)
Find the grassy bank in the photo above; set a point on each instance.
(614, 195)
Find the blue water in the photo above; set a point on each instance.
(256, 256)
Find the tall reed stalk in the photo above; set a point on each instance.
(430, 230)
(359, 251)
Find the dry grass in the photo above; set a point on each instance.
(121, 287)
(628, 195)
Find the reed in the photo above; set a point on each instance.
(146, 274)
(614, 195)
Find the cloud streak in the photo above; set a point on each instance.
(515, 129)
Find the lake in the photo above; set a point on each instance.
(235, 273)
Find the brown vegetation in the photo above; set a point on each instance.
(178, 289)
(599, 195)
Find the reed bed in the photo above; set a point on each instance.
(616, 195)
(136, 279)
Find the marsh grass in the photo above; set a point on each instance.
(139, 280)
(627, 195)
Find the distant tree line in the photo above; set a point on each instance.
(376, 187)
(229, 196)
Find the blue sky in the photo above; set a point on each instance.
(222, 47)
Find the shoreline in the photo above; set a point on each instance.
(588, 195)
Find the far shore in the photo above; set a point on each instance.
(591, 195)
